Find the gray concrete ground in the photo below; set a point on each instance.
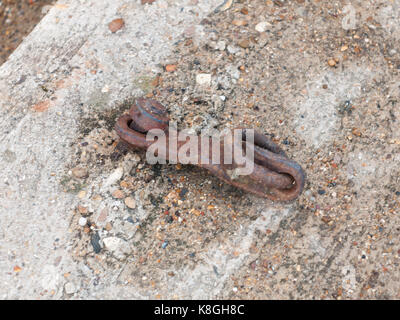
(81, 219)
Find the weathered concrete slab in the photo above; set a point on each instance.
(70, 59)
(80, 218)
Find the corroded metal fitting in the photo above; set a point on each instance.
(274, 176)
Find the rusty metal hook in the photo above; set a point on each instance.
(274, 176)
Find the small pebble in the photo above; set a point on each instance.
(97, 197)
(81, 194)
(332, 62)
(232, 49)
(221, 45)
(105, 89)
(95, 242)
(239, 23)
(170, 67)
(203, 79)
(17, 269)
(130, 202)
(82, 221)
(326, 219)
(82, 210)
(112, 243)
(244, 11)
(79, 172)
(118, 194)
(356, 132)
(116, 25)
(262, 26)
(244, 43)
(69, 288)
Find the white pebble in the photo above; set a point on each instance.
(69, 288)
(203, 79)
(112, 243)
(233, 49)
(221, 45)
(82, 221)
(262, 26)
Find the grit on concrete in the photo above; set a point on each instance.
(81, 217)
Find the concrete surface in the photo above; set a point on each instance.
(174, 231)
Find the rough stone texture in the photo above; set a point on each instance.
(74, 64)
(189, 235)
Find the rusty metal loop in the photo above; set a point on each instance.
(274, 176)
